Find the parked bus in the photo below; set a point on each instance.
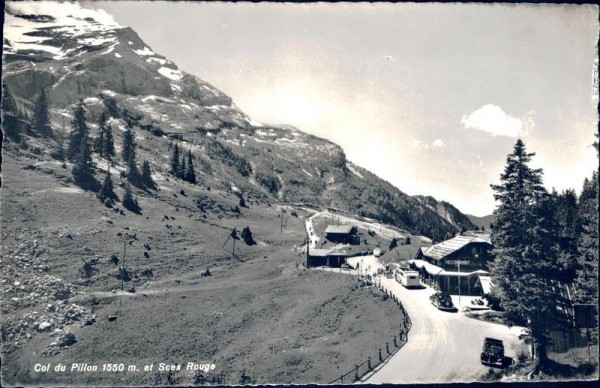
(408, 278)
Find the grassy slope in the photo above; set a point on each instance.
(260, 313)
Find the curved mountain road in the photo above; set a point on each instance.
(442, 346)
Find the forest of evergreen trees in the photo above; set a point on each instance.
(541, 240)
(81, 147)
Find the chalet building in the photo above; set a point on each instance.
(343, 234)
(461, 261)
(326, 257)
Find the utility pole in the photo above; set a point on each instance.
(123, 265)
(458, 260)
(235, 232)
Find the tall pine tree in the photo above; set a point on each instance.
(109, 143)
(80, 130)
(130, 202)
(175, 161)
(100, 141)
(525, 252)
(10, 116)
(586, 284)
(107, 193)
(190, 174)
(569, 229)
(41, 116)
(83, 172)
(128, 151)
(129, 155)
(147, 176)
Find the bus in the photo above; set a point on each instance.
(408, 278)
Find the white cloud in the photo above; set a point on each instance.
(493, 120)
(437, 143)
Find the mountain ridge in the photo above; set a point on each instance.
(116, 70)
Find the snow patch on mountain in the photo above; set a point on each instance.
(144, 52)
(97, 41)
(174, 75)
(253, 122)
(69, 19)
(161, 61)
(109, 50)
(354, 171)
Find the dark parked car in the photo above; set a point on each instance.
(442, 301)
(492, 353)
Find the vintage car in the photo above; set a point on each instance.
(442, 301)
(492, 353)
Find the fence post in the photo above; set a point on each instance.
(380, 358)
(356, 372)
(369, 362)
(342, 379)
(387, 347)
(395, 343)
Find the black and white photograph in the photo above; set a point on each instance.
(332, 193)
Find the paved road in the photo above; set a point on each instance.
(311, 231)
(442, 347)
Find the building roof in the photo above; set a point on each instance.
(339, 229)
(445, 248)
(432, 269)
(316, 252)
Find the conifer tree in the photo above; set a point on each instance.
(83, 173)
(109, 143)
(128, 151)
(586, 283)
(147, 176)
(130, 202)
(8, 102)
(79, 131)
(525, 252)
(101, 140)
(10, 115)
(133, 174)
(129, 155)
(107, 193)
(182, 169)
(568, 231)
(190, 174)
(41, 116)
(175, 162)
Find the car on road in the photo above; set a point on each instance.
(442, 301)
(492, 353)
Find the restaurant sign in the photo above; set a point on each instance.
(457, 262)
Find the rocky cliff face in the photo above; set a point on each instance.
(110, 67)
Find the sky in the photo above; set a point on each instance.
(430, 97)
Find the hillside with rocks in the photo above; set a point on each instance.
(81, 278)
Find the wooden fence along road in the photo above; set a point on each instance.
(362, 371)
(443, 346)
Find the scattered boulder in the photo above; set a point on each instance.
(112, 318)
(66, 339)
